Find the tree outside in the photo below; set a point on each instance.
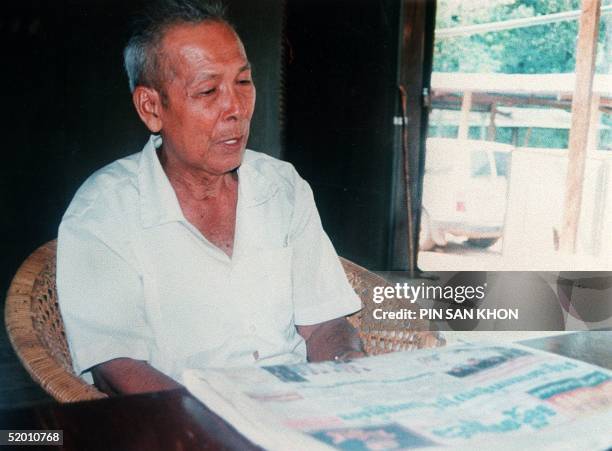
(540, 49)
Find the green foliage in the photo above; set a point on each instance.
(539, 49)
(548, 48)
(539, 137)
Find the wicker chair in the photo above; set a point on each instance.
(36, 331)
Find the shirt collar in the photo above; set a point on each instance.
(158, 201)
(254, 188)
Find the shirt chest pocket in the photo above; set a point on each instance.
(262, 291)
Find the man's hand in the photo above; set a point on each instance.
(332, 340)
(125, 376)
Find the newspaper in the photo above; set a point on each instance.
(466, 396)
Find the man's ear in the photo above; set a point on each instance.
(149, 107)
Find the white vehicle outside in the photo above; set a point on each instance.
(464, 191)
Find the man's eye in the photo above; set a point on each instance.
(207, 92)
(247, 81)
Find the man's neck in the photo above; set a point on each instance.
(208, 201)
(197, 185)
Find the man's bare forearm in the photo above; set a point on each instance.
(331, 340)
(128, 376)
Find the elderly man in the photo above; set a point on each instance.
(196, 252)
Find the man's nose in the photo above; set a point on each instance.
(232, 104)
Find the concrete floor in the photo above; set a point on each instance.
(458, 256)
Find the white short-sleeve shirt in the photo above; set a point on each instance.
(136, 279)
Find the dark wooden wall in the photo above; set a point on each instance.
(415, 65)
(342, 71)
(65, 112)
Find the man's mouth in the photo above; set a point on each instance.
(230, 141)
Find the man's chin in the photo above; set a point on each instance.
(231, 164)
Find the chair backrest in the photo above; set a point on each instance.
(36, 331)
(35, 327)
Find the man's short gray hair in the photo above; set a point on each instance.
(141, 56)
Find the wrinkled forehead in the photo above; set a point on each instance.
(210, 44)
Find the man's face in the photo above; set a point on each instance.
(210, 98)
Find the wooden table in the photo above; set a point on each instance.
(172, 420)
(592, 347)
(176, 421)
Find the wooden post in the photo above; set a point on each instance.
(527, 137)
(464, 121)
(581, 111)
(492, 130)
(593, 137)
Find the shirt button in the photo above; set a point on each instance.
(256, 355)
